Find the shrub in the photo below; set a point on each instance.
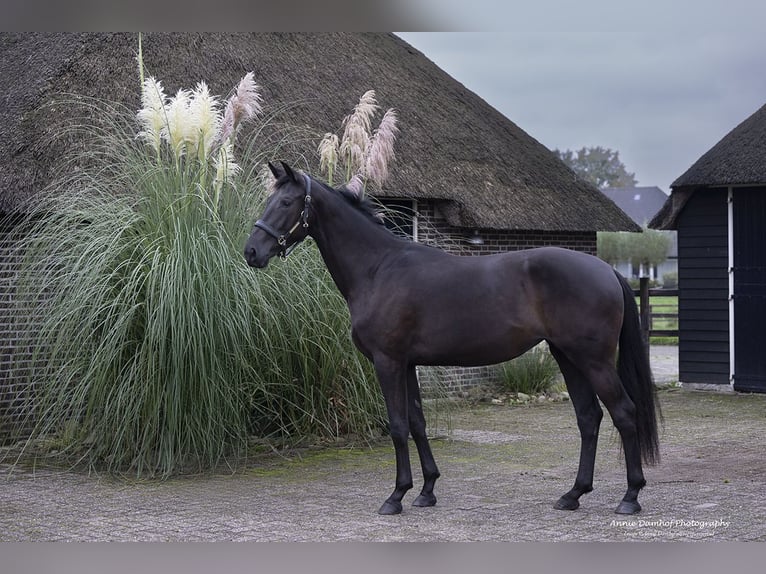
(532, 373)
(670, 280)
(157, 348)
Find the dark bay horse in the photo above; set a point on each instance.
(412, 304)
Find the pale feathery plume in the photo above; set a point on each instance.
(151, 116)
(204, 119)
(227, 123)
(353, 147)
(356, 185)
(225, 166)
(381, 151)
(266, 180)
(225, 169)
(357, 132)
(248, 98)
(363, 111)
(178, 128)
(328, 155)
(243, 105)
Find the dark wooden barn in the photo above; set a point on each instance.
(718, 208)
(468, 172)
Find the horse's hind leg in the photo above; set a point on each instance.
(606, 382)
(623, 413)
(417, 423)
(589, 415)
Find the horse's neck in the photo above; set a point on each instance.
(351, 246)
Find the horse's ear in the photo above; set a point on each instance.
(289, 172)
(274, 170)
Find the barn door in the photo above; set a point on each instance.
(749, 236)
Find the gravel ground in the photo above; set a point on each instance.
(502, 468)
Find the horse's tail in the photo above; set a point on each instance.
(636, 375)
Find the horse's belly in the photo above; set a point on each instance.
(471, 348)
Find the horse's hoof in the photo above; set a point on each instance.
(566, 503)
(390, 507)
(627, 507)
(424, 500)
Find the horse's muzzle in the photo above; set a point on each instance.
(254, 259)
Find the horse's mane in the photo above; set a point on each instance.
(360, 202)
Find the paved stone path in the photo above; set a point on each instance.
(502, 469)
(664, 359)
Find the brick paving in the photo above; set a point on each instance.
(502, 469)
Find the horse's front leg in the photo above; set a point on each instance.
(418, 430)
(392, 377)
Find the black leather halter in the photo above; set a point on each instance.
(302, 219)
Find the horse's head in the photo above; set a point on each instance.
(284, 222)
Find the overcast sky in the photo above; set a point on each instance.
(661, 82)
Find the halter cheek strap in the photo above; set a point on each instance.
(302, 219)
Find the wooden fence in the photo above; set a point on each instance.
(648, 314)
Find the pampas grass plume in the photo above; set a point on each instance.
(243, 105)
(363, 111)
(225, 168)
(151, 117)
(355, 185)
(381, 150)
(329, 149)
(204, 120)
(365, 155)
(357, 133)
(177, 129)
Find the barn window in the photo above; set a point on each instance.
(401, 217)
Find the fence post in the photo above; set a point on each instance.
(643, 309)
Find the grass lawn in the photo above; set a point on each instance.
(664, 305)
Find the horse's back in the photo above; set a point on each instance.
(555, 274)
(553, 278)
(477, 310)
(568, 270)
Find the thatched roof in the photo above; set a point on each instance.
(738, 159)
(452, 145)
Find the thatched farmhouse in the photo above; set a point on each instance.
(718, 207)
(464, 169)
(478, 168)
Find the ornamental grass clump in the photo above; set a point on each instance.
(532, 373)
(156, 349)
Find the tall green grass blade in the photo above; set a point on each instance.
(157, 349)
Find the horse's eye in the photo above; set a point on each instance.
(286, 202)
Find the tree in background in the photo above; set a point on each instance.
(598, 165)
(649, 248)
(610, 246)
(603, 168)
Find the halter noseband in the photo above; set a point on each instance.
(302, 219)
